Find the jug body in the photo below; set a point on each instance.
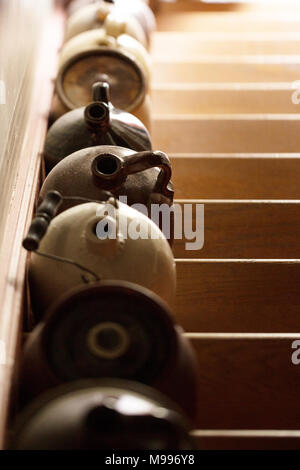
(111, 329)
(105, 15)
(100, 241)
(99, 123)
(102, 415)
(135, 8)
(94, 56)
(139, 179)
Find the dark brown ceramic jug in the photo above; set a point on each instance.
(99, 123)
(121, 171)
(111, 329)
(102, 415)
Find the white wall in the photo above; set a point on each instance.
(21, 26)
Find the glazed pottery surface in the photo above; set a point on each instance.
(105, 15)
(99, 238)
(95, 56)
(121, 171)
(99, 123)
(102, 415)
(114, 329)
(135, 8)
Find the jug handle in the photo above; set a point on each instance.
(46, 211)
(132, 164)
(144, 160)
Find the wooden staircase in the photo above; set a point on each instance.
(223, 80)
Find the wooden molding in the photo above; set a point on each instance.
(13, 257)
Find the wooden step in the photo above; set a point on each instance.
(246, 439)
(194, 21)
(230, 7)
(247, 381)
(227, 98)
(238, 295)
(190, 45)
(238, 133)
(239, 229)
(220, 69)
(236, 176)
(196, 5)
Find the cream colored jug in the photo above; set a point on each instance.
(137, 9)
(116, 255)
(94, 56)
(104, 15)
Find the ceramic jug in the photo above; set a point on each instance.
(105, 15)
(134, 178)
(94, 56)
(92, 242)
(111, 329)
(134, 8)
(99, 123)
(102, 415)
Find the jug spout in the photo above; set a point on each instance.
(97, 113)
